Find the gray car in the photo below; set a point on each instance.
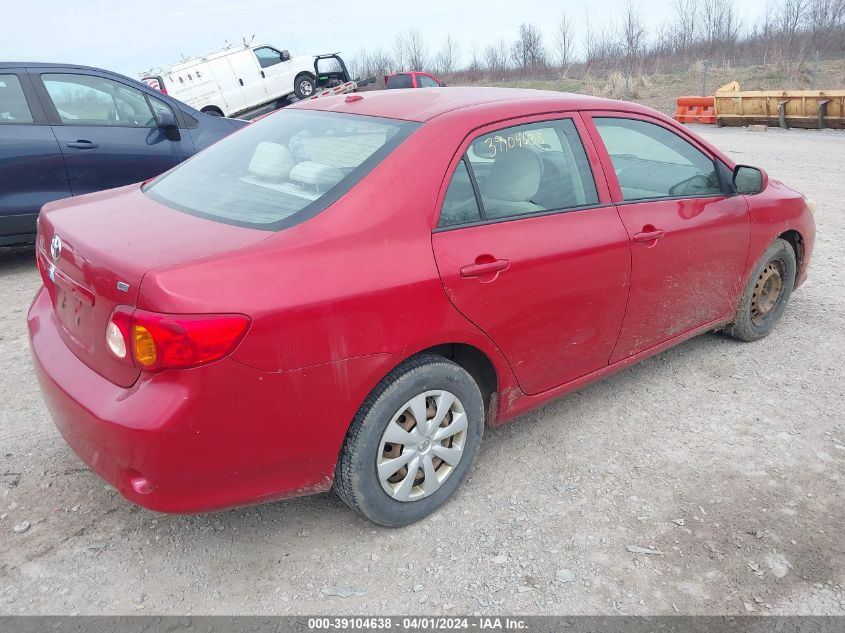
(68, 130)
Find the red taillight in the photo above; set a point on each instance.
(174, 341)
(163, 90)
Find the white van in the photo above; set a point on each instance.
(235, 79)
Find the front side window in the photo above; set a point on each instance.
(159, 106)
(90, 100)
(653, 162)
(427, 82)
(13, 106)
(531, 169)
(280, 170)
(268, 56)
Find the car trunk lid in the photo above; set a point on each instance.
(93, 252)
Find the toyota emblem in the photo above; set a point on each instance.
(56, 247)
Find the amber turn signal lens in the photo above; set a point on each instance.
(145, 346)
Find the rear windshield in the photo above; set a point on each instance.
(400, 81)
(281, 170)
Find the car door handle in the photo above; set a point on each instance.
(484, 268)
(82, 144)
(262, 75)
(649, 236)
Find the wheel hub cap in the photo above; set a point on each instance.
(421, 445)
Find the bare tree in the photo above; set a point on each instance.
(417, 51)
(474, 60)
(720, 27)
(447, 59)
(400, 52)
(633, 34)
(791, 17)
(826, 23)
(376, 64)
(528, 51)
(591, 48)
(564, 43)
(496, 57)
(600, 46)
(683, 29)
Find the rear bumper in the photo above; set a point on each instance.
(202, 439)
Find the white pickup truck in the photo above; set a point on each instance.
(236, 79)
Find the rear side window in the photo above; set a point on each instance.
(400, 81)
(13, 106)
(460, 205)
(91, 100)
(531, 168)
(653, 162)
(280, 170)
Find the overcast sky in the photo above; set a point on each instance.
(133, 37)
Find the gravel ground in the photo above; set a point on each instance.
(726, 457)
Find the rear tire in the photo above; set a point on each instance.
(304, 86)
(212, 111)
(435, 457)
(766, 294)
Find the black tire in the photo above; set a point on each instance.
(356, 478)
(750, 324)
(213, 112)
(304, 86)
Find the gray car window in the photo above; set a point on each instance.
(13, 106)
(92, 100)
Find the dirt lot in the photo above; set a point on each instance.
(727, 457)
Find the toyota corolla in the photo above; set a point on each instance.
(345, 293)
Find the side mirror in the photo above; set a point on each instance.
(442, 84)
(749, 180)
(285, 56)
(166, 120)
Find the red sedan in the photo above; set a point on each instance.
(344, 293)
(412, 79)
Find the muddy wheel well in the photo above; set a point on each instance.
(797, 242)
(476, 362)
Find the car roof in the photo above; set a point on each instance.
(424, 105)
(49, 65)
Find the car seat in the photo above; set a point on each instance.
(513, 181)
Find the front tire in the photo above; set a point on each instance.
(766, 295)
(304, 86)
(395, 470)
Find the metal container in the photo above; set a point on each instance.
(788, 108)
